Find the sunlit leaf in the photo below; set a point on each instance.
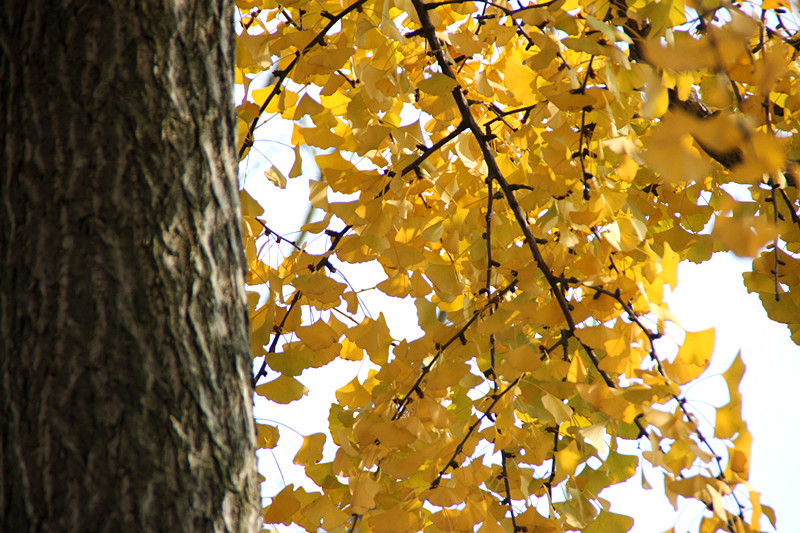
(438, 84)
(531, 176)
(267, 435)
(729, 417)
(324, 514)
(250, 207)
(557, 409)
(311, 450)
(608, 521)
(568, 459)
(283, 389)
(275, 177)
(283, 506)
(693, 356)
(363, 490)
(394, 520)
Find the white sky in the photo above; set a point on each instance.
(708, 295)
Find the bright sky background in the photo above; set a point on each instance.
(708, 295)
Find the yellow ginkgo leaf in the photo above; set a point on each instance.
(437, 84)
(405, 466)
(307, 106)
(311, 450)
(283, 506)
(363, 490)
(392, 434)
(318, 335)
(454, 519)
(608, 521)
(744, 236)
(250, 207)
(394, 520)
(739, 456)
(567, 460)
(693, 356)
(267, 435)
(729, 417)
(398, 285)
(352, 395)
(319, 287)
(372, 336)
(283, 389)
(444, 496)
(557, 409)
(322, 513)
(297, 168)
(524, 358)
(275, 177)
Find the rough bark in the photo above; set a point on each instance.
(125, 396)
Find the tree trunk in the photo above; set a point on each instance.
(126, 397)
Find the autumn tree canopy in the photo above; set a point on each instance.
(533, 172)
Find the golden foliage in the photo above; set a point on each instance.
(534, 172)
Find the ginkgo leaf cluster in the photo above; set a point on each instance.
(536, 172)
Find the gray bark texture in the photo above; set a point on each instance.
(125, 386)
